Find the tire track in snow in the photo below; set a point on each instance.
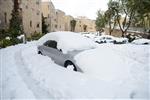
(38, 91)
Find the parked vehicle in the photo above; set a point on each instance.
(104, 39)
(120, 40)
(141, 41)
(110, 39)
(63, 46)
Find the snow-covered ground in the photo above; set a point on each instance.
(27, 75)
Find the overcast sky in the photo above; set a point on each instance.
(76, 8)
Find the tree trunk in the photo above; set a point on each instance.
(110, 28)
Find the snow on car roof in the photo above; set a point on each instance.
(68, 41)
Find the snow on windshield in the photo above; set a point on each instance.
(68, 41)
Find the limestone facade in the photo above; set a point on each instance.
(60, 18)
(30, 11)
(59, 21)
(68, 18)
(83, 22)
(48, 11)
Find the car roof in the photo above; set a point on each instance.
(68, 40)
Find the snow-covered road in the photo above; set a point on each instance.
(12, 83)
(27, 75)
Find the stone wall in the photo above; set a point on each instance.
(30, 11)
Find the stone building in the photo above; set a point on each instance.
(48, 11)
(55, 18)
(6, 7)
(60, 18)
(79, 25)
(30, 11)
(84, 24)
(68, 19)
(58, 21)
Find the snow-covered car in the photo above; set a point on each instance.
(120, 40)
(63, 46)
(110, 39)
(104, 39)
(141, 41)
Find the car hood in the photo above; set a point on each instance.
(76, 52)
(105, 64)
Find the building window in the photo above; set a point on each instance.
(30, 23)
(55, 26)
(38, 13)
(26, 7)
(38, 25)
(37, 2)
(5, 14)
(56, 13)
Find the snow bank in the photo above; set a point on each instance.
(68, 41)
(106, 64)
(12, 84)
(27, 75)
(141, 41)
(62, 83)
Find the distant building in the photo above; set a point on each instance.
(60, 18)
(48, 11)
(58, 21)
(55, 19)
(84, 24)
(30, 11)
(68, 19)
(5, 13)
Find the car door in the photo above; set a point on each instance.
(50, 49)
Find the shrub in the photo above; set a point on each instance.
(5, 42)
(4, 33)
(8, 42)
(36, 36)
(130, 37)
(15, 41)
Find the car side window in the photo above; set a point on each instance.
(51, 43)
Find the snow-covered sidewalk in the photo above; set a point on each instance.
(27, 75)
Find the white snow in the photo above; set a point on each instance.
(21, 36)
(123, 65)
(68, 41)
(12, 84)
(121, 73)
(141, 41)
